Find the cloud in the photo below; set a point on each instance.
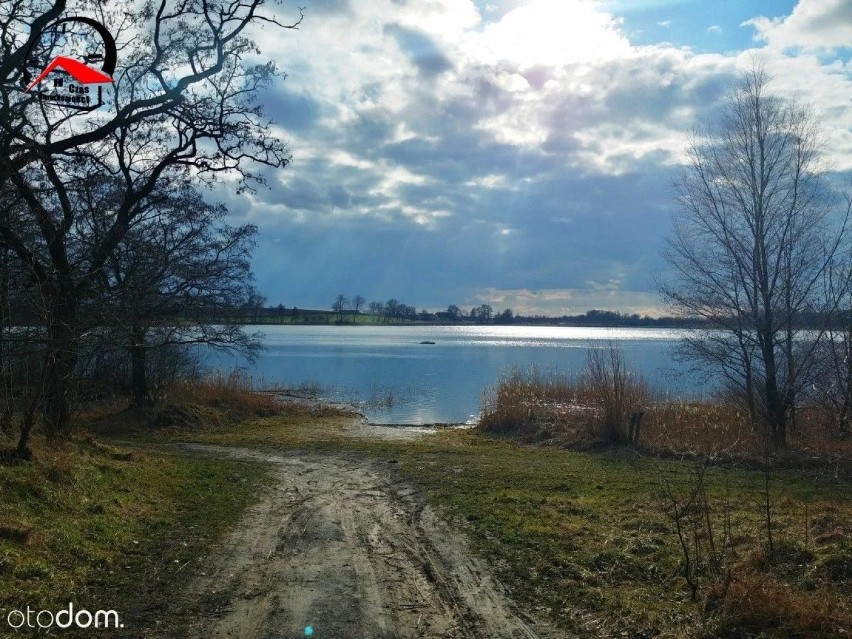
(441, 151)
(550, 32)
(813, 24)
(422, 50)
(299, 110)
(330, 7)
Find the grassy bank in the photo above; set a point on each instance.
(584, 539)
(110, 528)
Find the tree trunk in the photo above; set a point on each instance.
(62, 347)
(138, 376)
(28, 421)
(749, 389)
(7, 408)
(790, 381)
(843, 415)
(776, 412)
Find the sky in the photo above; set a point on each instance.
(517, 153)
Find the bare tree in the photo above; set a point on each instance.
(253, 308)
(392, 309)
(752, 242)
(485, 313)
(175, 279)
(22, 356)
(184, 103)
(341, 303)
(834, 388)
(358, 303)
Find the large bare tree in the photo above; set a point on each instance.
(183, 104)
(753, 240)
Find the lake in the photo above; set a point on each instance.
(394, 379)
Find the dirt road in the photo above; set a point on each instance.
(338, 548)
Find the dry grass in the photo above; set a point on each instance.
(237, 394)
(723, 432)
(690, 427)
(210, 404)
(527, 402)
(756, 601)
(594, 408)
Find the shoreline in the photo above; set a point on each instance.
(314, 401)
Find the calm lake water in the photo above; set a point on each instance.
(443, 382)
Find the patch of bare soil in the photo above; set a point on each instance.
(339, 547)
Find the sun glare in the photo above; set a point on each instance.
(554, 32)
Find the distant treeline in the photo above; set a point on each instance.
(394, 312)
(397, 313)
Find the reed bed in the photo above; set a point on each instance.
(595, 406)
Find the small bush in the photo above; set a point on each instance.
(614, 391)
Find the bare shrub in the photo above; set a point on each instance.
(616, 393)
(105, 372)
(702, 526)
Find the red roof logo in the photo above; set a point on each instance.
(83, 73)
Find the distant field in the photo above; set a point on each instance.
(325, 317)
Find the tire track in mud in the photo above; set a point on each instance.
(341, 546)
